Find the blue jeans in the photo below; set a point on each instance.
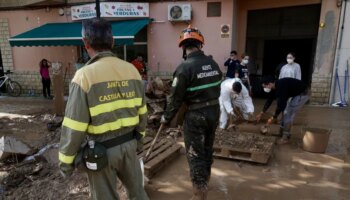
(289, 113)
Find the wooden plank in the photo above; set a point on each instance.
(58, 84)
(258, 157)
(161, 157)
(159, 151)
(152, 167)
(156, 146)
(147, 140)
(244, 146)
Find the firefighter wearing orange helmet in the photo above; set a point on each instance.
(196, 82)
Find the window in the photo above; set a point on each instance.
(214, 9)
(129, 52)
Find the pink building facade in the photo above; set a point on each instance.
(164, 53)
(283, 24)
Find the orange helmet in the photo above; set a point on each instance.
(190, 33)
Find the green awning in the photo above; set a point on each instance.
(69, 34)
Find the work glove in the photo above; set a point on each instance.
(163, 120)
(271, 120)
(139, 147)
(66, 170)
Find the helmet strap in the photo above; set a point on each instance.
(184, 55)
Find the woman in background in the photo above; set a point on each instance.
(291, 69)
(45, 78)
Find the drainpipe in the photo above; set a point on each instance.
(340, 40)
(98, 11)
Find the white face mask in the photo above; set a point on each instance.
(267, 90)
(289, 60)
(245, 61)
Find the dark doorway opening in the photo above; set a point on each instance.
(273, 33)
(275, 53)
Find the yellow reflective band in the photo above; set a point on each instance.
(143, 110)
(143, 133)
(74, 125)
(112, 126)
(65, 159)
(115, 105)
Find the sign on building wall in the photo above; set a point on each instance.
(111, 9)
(83, 12)
(118, 9)
(225, 31)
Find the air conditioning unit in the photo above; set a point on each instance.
(179, 12)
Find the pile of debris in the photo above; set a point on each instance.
(156, 92)
(158, 88)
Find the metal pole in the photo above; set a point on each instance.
(98, 11)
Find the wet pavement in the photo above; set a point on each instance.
(291, 173)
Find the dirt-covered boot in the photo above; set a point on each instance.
(199, 193)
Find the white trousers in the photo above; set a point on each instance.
(245, 106)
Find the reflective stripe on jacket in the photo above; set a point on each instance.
(106, 99)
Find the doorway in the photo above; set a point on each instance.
(273, 33)
(275, 53)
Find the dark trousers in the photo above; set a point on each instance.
(46, 87)
(199, 127)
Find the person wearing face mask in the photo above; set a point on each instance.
(232, 64)
(234, 95)
(291, 69)
(242, 71)
(282, 90)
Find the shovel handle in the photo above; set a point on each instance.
(149, 151)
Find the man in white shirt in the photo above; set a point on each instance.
(234, 94)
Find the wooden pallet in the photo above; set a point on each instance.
(259, 149)
(163, 152)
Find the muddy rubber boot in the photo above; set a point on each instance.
(285, 139)
(199, 193)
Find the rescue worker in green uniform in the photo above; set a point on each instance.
(107, 109)
(196, 82)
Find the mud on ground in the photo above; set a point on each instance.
(26, 120)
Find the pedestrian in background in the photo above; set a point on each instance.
(141, 67)
(45, 78)
(242, 72)
(232, 63)
(107, 110)
(291, 69)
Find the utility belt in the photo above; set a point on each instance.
(93, 156)
(203, 104)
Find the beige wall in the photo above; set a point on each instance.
(342, 57)
(325, 53)
(163, 35)
(245, 5)
(27, 58)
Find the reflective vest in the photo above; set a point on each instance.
(106, 99)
